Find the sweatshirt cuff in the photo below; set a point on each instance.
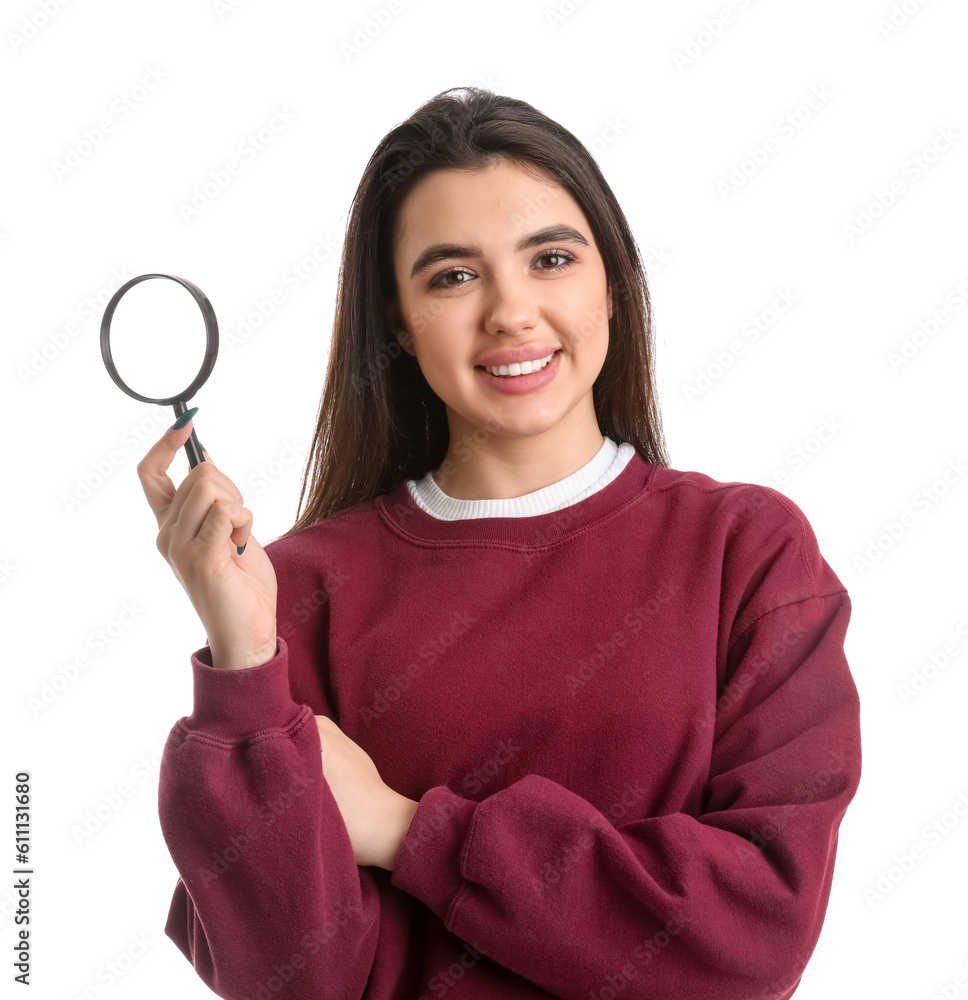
(428, 866)
(235, 703)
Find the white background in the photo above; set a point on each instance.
(667, 136)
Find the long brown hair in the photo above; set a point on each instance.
(379, 422)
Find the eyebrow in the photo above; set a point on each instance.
(444, 251)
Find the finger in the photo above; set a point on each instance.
(153, 469)
(160, 491)
(221, 522)
(205, 524)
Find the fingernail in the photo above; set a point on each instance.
(184, 418)
(240, 550)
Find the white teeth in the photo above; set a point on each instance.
(524, 368)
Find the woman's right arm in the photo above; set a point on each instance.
(270, 901)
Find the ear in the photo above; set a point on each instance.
(398, 327)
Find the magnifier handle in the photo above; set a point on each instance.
(192, 449)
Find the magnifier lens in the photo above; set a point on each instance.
(152, 327)
(158, 337)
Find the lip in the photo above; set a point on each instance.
(516, 355)
(518, 384)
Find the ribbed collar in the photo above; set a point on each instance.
(599, 471)
(402, 514)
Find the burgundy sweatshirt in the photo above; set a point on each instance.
(629, 723)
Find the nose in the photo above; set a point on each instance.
(511, 303)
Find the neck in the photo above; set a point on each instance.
(504, 468)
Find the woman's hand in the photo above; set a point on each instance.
(377, 818)
(200, 525)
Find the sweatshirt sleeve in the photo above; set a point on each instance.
(727, 903)
(270, 900)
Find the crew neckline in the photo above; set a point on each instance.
(595, 474)
(403, 515)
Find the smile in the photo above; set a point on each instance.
(525, 368)
(520, 379)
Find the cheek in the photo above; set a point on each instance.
(413, 312)
(585, 327)
(585, 305)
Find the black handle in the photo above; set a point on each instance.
(192, 449)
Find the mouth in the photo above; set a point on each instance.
(518, 370)
(523, 383)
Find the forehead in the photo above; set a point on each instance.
(494, 204)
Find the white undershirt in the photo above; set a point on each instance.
(608, 462)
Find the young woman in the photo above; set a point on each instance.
(514, 709)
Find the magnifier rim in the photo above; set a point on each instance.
(211, 340)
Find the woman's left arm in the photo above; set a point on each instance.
(729, 903)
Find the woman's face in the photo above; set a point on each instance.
(494, 266)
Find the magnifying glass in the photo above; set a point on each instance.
(162, 315)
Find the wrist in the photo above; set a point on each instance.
(226, 658)
(403, 813)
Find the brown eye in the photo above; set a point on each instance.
(441, 282)
(561, 255)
